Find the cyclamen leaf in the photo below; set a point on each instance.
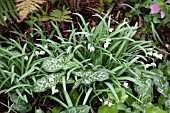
(27, 6)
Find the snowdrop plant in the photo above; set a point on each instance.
(101, 56)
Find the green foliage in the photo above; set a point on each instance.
(77, 109)
(19, 104)
(7, 11)
(150, 108)
(59, 15)
(89, 67)
(88, 76)
(107, 109)
(56, 64)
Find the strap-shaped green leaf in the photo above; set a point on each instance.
(7, 11)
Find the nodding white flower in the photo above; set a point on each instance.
(92, 49)
(158, 56)
(54, 90)
(153, 64)
(111, 29)
(150, 49)
(26, 57)
(108, 40)
(5, 18)
(125, 84)
(100, 100)
(106, 45)
(37, 53)
(147, 66)
(51, 80)
(46, 46)
(42, 52)
(150, 53)
(108, 103)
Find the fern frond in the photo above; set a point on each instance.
(26, 6)
(7, 11)
(61, 15)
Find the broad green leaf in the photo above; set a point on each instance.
(107, 109)
(44, 83)
(150, 108)
(90, 76)
(56, 64)
(38, 111)
(18, 104)
(162, 85)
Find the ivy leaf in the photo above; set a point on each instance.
(27, 6)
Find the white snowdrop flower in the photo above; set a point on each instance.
(106, 102)
(125, 84)
(106, 45)
(147, 66)
(153, 64)
(155, 55)
(110, 104)
(111, 29)
(150, 53)
(150, 49)
(108, 40)
(5, 18)
(42, 52)
(51, 80)
(26, 57)
(54, 90)
(92, 49)
(160, 56)
(100, 100)
(46, 46)
(37, 53)
(167, 45)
